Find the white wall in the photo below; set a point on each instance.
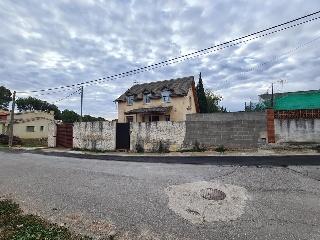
(297, 130)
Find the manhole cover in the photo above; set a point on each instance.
(212, 194)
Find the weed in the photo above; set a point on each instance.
(317, 148)
(139, 148)
(220, 149)
(16, 226)
(163, 148)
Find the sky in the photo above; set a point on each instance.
(55, 44)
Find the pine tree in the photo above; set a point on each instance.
(202, 100)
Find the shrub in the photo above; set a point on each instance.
(15, 141)
(220, 149)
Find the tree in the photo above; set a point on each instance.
(69, 116)
(88, 118)
(5, 98)
(213, 102)
(202, 100)
(31, 103)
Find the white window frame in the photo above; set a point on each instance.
(41, 128)
(166, 96)
(147, 99)
(166, 118)
(130, 100)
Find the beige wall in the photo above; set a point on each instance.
(20, 129)
(31, 120)
(180, 107)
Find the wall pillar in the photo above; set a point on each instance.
(270, 126)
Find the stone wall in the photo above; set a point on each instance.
(95, 135)
(149, 135)
(52, 131)
(243, 129)
(297, 130)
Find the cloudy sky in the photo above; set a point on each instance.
(53, 44)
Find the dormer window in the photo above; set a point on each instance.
(166, 96)
(147, 98)
(130, 100)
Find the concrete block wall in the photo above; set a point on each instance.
(52, 131)
(243, 129)
(149, 135)
(297, 130)
(95, 135)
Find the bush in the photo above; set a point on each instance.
(220, 149)
(15, 141)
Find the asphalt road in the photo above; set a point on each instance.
(135, 197)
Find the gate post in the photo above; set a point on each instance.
(270, 126)
(52, 135)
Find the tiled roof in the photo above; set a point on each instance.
(149, 110)
(178, 87)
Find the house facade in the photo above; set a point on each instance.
(167, 100)
(33, 124)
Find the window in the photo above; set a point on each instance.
(130, 100)
(147, 98)
(153, 118)
(41, 128)
(167, 118)
(130, 119)
(166, 96)
(30, 129)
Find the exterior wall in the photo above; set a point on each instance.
(52, 133)
(149, 135)
(19, 129)
(243, 129)
(297, 130)
(34, 119)
(177, 113)
(95, 135)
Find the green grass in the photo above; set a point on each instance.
(14, 225)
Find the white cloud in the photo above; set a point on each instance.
(62, 43)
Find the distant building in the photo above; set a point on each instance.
(33, 124)
(168, 100)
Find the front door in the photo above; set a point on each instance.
(123, 136)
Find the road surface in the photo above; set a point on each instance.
(151, 198)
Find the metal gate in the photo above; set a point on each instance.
(65, 135)
(123, 136)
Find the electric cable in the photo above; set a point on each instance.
(186, 56)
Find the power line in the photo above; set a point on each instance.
(68, 96)
(186, 56)
(262, 64)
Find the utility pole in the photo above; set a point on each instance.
(12, 119)
(81, 103)
(272, 97)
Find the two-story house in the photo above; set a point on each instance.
(168, 100)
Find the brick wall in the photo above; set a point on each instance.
(149, 135)
(95, 135)
(270, 126)
(243, 129)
